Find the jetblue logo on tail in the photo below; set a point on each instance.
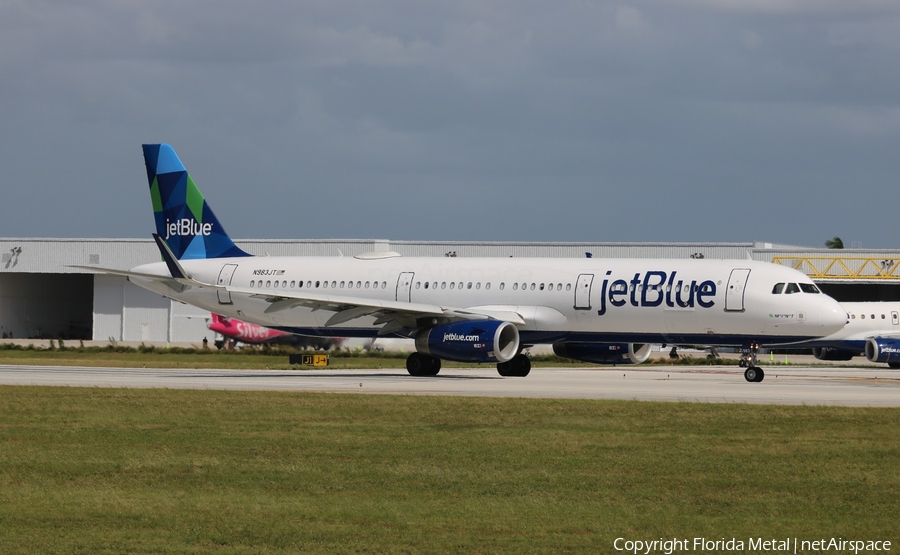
(187, 227)
(184, 220)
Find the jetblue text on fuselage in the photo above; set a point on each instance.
(187, 226)
(656, 288)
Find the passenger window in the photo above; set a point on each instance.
(251, 283)
(443, 285)
(478, 285)
(515, 286)
(791, 288)
(502, 286)
(309, 284)
(384, 285)
(367, 285)
(469, 286)
(426, 285)
(853, 316)
(568, 287)
(487, 286)
(452, 284)
(873, 316)
(334, 284)
(542, 287)
(862, 316)
(532, 287)
(349, 285)
(882, 316)
(418, 284)
(317, 285)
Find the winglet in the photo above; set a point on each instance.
(174, 267)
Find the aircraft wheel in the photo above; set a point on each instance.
(522, 364)
(504, 368)
(416, 364)
(749, 373)
(422, 365)
(519, 366)
(754, 374)
(434, 366)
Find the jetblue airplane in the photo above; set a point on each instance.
(873, 330)
(473, 309)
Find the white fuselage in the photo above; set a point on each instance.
(865, 320)
(721, 302)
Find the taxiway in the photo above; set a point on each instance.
(794, 385)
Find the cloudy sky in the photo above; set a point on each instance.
(665, 120)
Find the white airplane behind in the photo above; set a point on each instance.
(873, 330)
(473, 309)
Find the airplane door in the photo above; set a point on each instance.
(734, 294)
(895, 318)
(225, 279)
(583, 291)
(404, 286)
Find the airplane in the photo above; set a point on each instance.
(246, 332)
(472, 309)
(873, 330)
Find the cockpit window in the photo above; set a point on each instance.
(779, 287)
(791, 288)
(808, 288)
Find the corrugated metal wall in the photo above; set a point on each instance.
(109, 303)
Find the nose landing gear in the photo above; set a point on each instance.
(749, 357)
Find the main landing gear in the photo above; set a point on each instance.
(753, 373)
(418, 364)
(422, 365)
(519, 366)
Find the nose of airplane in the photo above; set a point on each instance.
(831, 316)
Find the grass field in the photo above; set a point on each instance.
(152, 471)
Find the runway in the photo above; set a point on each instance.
(793, 385)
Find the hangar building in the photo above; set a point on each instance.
(43, 296)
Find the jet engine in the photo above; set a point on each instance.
(470, 341)
(883, 349)
(830, 353)
(603, 353)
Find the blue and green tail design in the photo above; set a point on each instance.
(184, 220)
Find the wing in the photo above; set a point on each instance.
(392, 315)
(176, 284)
(178, 281)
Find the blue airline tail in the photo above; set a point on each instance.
(184, 220)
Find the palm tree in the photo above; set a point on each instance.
(835, 243)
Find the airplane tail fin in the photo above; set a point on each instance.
(184, 219)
